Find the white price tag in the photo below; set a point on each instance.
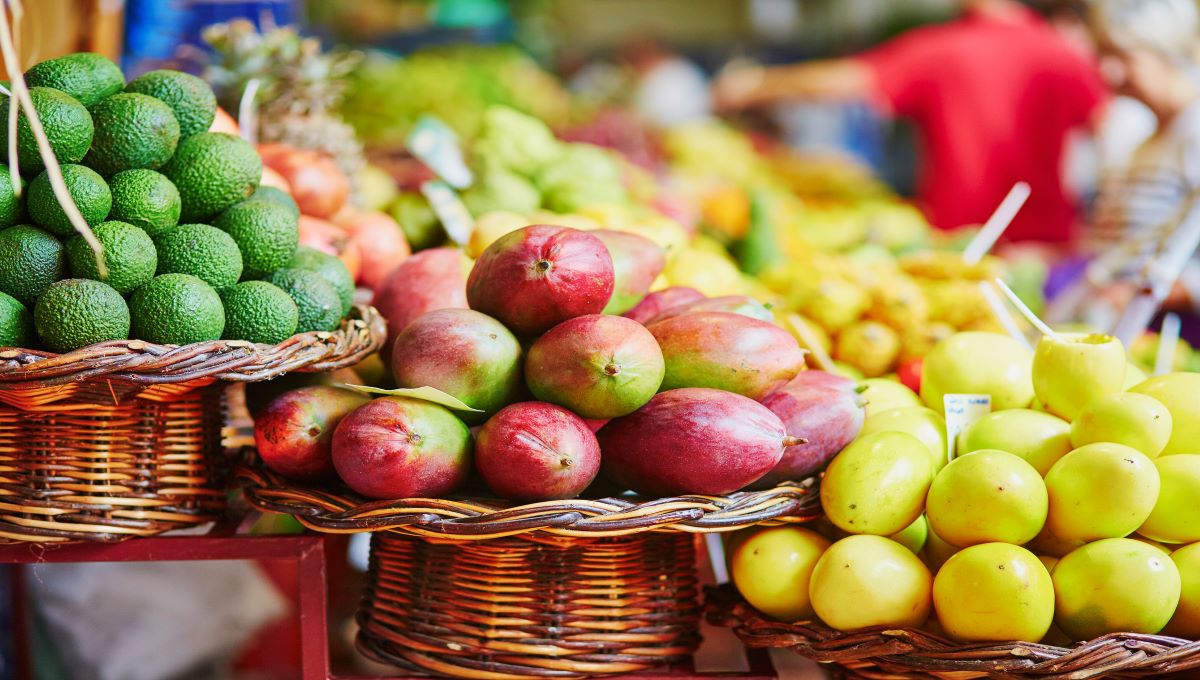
(436, 145)
(962, 410)
(449, 208)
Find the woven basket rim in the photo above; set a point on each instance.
(137, 361)
(910, 652)
(462, 518)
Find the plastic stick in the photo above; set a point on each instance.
(248, 111)
(1167, 341)
(996, 224)
(1025, 310)
(1001, 311)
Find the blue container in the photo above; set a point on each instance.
(167, 32)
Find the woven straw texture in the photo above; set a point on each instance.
(470, 519)
(123, 439)
(520, 608)
(908, 653)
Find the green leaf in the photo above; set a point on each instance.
(426, 393)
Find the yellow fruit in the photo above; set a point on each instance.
(1114, 585)
(664, 231)
(1186, 621)
(917, 342)
(882, 394)
(1072, 370)
(978, 363)
(726, 208)
(923, 423)
(1040, 438)
(1048, 561)
(1100, 491)
(707, 272)
(1133, 375)
(877, 484)
(994, 592)
(985, 497)
(491, 226)
(1176, 515)
(1177, 391)
(772, 567)
(835, 304)
(804, 330)
(865, 581)
(572, 220)
(1128, 418)
(870, 345)
(900, 303)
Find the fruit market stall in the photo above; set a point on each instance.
(583, 379)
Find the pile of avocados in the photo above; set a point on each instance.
(195, 249)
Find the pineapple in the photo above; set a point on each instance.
(300, 87)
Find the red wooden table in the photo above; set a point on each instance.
(306, 550)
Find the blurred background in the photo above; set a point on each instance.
(832, 157)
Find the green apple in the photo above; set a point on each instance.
(977, 362)
(1127, 418)
(994, 592)
(1180, 393)
(1186, 621)
(883, 394)
(1100, 491)
(1114, 585)
(985, 497)
(1040, 438)
(914, 535)
(877, 484)
(923, 423)
(1071, 370)
(1176, 515)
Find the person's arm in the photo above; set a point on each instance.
(824, 80)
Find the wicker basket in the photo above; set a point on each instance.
(520, 608)
(479, 589)
(885, 654)
(123, 438)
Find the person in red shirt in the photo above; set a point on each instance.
(993, 93)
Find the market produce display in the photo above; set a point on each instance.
(193, 249)
(660, 404)
(1063, 514)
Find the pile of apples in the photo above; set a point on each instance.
(1068, 512)
(551, 365)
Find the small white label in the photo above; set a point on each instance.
(436, 145)
(454, 216)
(962, 410)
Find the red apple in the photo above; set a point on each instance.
(535, 451)
(539, 276)
(395, 447)
(295, 431)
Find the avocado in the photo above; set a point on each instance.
(213, 170)
(176, 309)
(266, 232)
(67, 124)
(331, 268)
(202, 251)
(128, 253)
(258, 311)
(86, 76)
(144, 198)
(317, 301)
(88, 189)
(16, 323)
(30, 260)
(191, 98)
(79, 312)
(132, 131)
